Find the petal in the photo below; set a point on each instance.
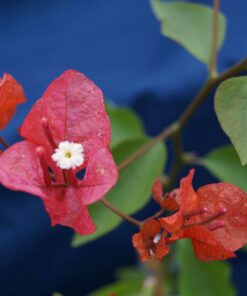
(188, 197)
(65, 207)
(172, 223)
(224, 195)
(157, 191)
(150, 229)
(11, 95)
(170, 201)
(137, 242)
(206, 247)
(75, 110)
(20, 169)
(161, 249)
(101, 173)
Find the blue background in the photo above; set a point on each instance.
(118, 45)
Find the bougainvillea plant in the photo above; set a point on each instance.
(94, 168)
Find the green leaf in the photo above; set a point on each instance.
(125, 125)
(225, 165)
(132, 190)
(231, 109)
(200, 278)
(244, 248)
(121, 289)
(130, 282)
(190, 25)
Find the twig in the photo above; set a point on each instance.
(178, 160)
(4, 143)
(186, 115)
(157, 214)
(159, 289)
(175, 128)
(163, 135)
(120, 213)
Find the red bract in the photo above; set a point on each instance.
(214, 218)
(166, 201)
(187, 200)
(11, 95)
(150, 242)
(205, 245)
(224, 195)
(70, 110)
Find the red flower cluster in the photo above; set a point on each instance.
(214, 218)
(70, 112)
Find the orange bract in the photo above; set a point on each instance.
(149, 242)
(11, 95)
(214, 218)
(234, 233)
(166, 201)
(205, 245)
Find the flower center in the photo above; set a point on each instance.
(68, 155)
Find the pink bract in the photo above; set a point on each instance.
(73, 110)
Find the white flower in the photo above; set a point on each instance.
(155, 240)
(68, 155)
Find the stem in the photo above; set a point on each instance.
(163, 135)
(178, 161)
(4, 143)
(156, 215)
(120, 213)
(186, 115)
(160, 278)
(175, 169)
(213, 60)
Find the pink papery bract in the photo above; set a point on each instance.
(73, 110)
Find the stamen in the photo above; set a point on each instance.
(217, 225)
(196, 212)
(220, 213)
(46, 127)
(40, 152)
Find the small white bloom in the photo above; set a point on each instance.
(155, 240)
(68, 155)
